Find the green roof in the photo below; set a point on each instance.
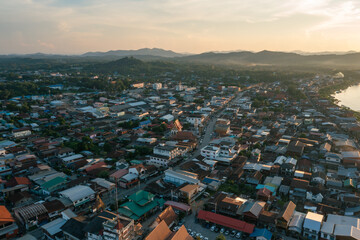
(141, 197)
(140, 203)
(135, 162)
(53, 182)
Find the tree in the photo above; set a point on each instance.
(103, 174)
(221, 237)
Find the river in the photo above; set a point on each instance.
(349, 97)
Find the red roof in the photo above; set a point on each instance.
(95, 166)
(5, 215)
(177, 205)
(226, 221)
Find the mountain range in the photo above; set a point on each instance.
(244, 58)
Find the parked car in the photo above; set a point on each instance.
(213, 227)
(217, 229)
(238, 235)
(227, 232)
(233, 233)
(222, 230)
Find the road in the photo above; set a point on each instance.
(209, 130)
(206, 138)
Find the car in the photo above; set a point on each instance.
(213, 227)
(193, 234)
(222, 230)
(217, 229)
(189, 230)
(238, 235)
(233, 233)
(206, 238)
(227, 232)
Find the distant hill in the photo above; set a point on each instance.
(157, 52)
(269, 58)
(131, 65)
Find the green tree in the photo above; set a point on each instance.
(221, 237)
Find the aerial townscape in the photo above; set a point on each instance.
(156, 150)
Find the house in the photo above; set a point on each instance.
(315, 194)
(118, 228)
(78, 195)
(8, 227)
(168, 215)
(296, 224)
(319, 177)
(295, 148)
(333, 158)
(140, 205)
(138, 170)
(73, 229)
(162, 232)
(298, 188)
(350, 227)
(21, 132)
(261, 234)
(312, 225)
(252, 210)
(52, 230)
(189, 192)
(284, 217)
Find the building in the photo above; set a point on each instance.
(162, 232)
(189, 192)
(21, 132)
(157, 86)
(78, 195)
(8, 227)
(340, 227)
(140, 205)
(180, 177)
(119, 228)
(284, 217)
(52, 230)
(312, 225)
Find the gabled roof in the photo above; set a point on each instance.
(5, 215)
(168, 215)
(77, 192)
(287, 211)
(161, 232)
(263, 232)
(182, 234)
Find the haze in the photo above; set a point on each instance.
(78, 26)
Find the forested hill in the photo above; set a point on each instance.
(275, 59)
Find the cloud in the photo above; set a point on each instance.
(187, 25)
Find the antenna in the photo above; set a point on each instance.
(116, 201)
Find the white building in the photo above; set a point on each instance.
(195, 119)
(340, 226)
(312, 225)
(21, 132)
(78, 195)
(180, 177)
(157, 86)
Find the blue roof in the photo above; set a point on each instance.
(261, 232)
(260, 186)
(208, 180)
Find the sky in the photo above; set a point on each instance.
(187, 26)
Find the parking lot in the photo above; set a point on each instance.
(192, 226)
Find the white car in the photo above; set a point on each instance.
(222, 230)
(238, 235)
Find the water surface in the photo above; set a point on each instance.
(349, 97)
